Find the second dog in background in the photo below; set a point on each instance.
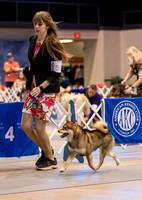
(78, 99)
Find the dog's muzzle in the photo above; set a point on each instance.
(65, 134)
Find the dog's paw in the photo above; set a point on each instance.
(62, 169)
(118, 162)
(96, 168)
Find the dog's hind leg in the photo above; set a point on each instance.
(71, 156)
(111, 154)
(103, 153)
(90, 161)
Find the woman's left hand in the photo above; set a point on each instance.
(128, 91)
(35, 91)
(85, 119)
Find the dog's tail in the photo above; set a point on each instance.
(102, 126)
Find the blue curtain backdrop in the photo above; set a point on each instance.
(19, 48)
(124, 118)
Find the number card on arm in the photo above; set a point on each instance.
(13, 140)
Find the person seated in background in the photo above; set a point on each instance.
(20, 82)
(93, 96)
(11, 68)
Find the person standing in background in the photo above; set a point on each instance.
(11, 69)
(78, 77)
(135, 58)
(72, 74)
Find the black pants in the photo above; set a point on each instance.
(8, 84)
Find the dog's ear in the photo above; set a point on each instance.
(67, 120)
(75, 123)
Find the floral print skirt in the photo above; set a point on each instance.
(41, 107)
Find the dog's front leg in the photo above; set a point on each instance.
(90, 161)
(71, 156)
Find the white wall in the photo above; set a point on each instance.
(106, 57)
(76, 48)
(102, 57)
(111, 54)
(104, 51)
(93, 60)
(84, 34)
(15, 33)
(89, 58)
(23, 34)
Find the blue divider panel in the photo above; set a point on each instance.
(124, 118)
(73, 119)
(13, 140)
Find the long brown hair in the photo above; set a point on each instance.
(52, 43)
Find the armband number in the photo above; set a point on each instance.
(56, 66)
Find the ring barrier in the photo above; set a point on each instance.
(72, 110)
(79, 116)
(124, 118)
(64, 115)
(11, 95)
(104, 91)
(13, 140)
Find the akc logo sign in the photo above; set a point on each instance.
(126, 118)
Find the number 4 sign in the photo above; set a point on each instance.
(9, 134)
(13, 141)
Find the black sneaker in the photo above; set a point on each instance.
(42, 157)
(47, 164)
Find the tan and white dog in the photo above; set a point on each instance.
(64, 98)
(84, 142)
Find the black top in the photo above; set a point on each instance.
(44, 67)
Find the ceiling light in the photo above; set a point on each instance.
(66, 41)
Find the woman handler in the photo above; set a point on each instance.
(45, 54)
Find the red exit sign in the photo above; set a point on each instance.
(77, 35)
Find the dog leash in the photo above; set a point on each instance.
(33, 97)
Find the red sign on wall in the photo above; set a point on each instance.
(77, 35)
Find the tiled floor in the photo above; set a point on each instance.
(19, 179)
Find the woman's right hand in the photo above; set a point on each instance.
(35, 91)
(67, 90)
(123, 82)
